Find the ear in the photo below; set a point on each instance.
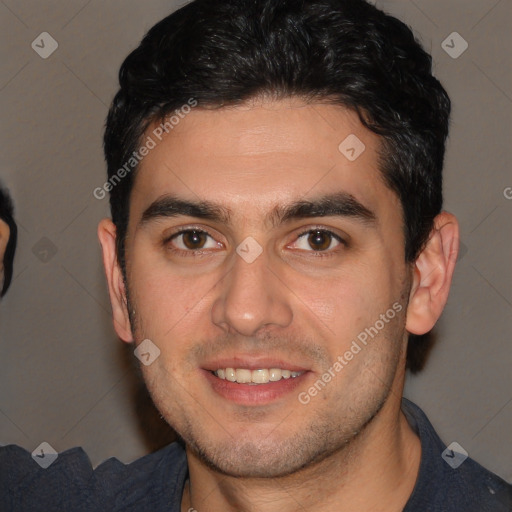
(433, 272)
(4, 239)
(116, 286)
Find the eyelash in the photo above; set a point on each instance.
(328, 252)
(187, 253)
(201, 252)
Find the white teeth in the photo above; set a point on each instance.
(243, 376)
(260, 376)
(275, 374)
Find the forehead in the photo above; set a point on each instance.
(262, 155)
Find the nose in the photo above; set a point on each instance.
(251, 297)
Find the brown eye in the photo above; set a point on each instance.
(194, 239)
(319, 240)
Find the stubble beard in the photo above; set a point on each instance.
(327, 434)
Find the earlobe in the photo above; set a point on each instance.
(432, 275)
(115, 281)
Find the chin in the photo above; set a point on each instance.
(251, 462)
(264, 458)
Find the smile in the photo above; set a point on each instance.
(260, 376)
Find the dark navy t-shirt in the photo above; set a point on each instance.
(155, 482)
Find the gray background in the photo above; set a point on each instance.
(64, 376)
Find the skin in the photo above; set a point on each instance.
(4, 239)
(295, 304)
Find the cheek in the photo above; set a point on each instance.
(351, 298)
(166, 300)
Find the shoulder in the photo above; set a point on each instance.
(71, 483)
(448, 479)
(154, 482)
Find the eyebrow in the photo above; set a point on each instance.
(170, 206)
(337, 205)
(340, 204)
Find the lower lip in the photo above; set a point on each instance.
(253, 394)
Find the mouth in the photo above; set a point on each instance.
(254, 382)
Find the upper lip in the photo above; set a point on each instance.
(252, 363)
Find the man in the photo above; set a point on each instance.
(8, 237)
(277, 234)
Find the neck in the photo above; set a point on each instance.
(375, 472)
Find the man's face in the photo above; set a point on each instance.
(331, 263)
